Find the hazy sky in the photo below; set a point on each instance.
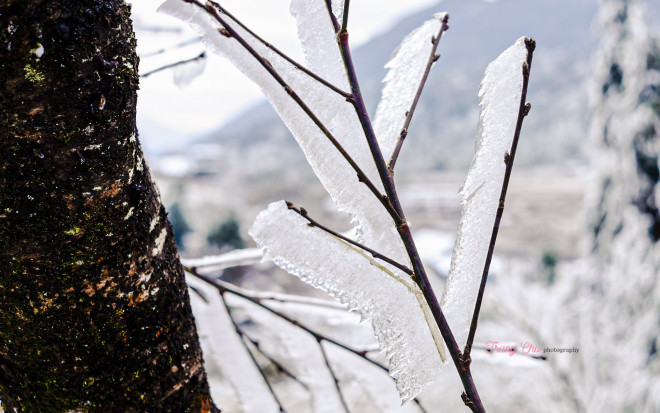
(221, 92)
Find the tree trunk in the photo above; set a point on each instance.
(94, 309)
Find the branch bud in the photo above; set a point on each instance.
(530, 44)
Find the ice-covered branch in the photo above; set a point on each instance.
(240, 333)
(502, 98)
(340, 394)
(523, 111)
(227, 288)
(303, 213)
(283, 55)
(420, 277)
(231, 31)
(397, 93)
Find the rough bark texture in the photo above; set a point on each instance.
(94, 310)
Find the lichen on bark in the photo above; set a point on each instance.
(94, 310)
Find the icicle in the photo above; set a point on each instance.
(499, 98)
(406, 69)
(410, 339)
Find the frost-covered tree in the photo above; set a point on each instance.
(94, 310)
(619, 303)
(379, 272)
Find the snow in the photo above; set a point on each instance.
(406, 69)
(400, 318)
(229, 259)
(499, 96)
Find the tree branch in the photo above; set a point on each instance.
(283, 55)
(333, 18)
(171, 65)
(332, 373)
(508, 160)
(303, 213)
(228, 30)
(247, 349)
(344, 23)
(420, 277)
(433, 57)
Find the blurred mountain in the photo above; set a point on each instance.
(442, 133)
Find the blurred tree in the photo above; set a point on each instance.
(179, 224)
(227, 234)
(619, 299)
(95, 313)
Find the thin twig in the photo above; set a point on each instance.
(171, 65)
(333, 18)
(274, 362)
(303, 213)
(344, 23)
(283, 55)
(508, 160)
(362, 177)
(334, 376)
(433, 57)
(254, 360)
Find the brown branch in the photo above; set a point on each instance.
(433, 57)
(344, 23)
(523, 110)
(171, 65)
(274, 362)
(332, 373)
(396, 212)
(247, 349)
(281, 54)
(333, 18)
(228, 30)
(303, 213)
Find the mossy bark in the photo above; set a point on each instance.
(94, 309)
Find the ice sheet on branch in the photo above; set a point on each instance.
(224, 351)
(394, 305)
(406, 69)
(319, 41)
(499, 98)
(375, 225)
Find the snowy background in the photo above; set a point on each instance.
(220, 155)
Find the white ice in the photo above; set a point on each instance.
(406, 70)
(414, 350)
(499, 98)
